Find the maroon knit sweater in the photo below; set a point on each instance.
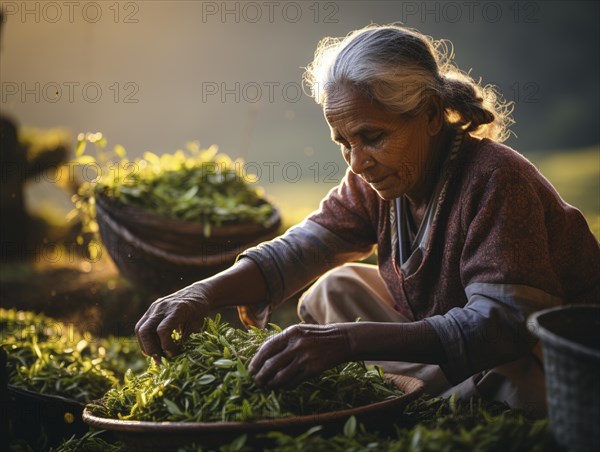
(500, 222)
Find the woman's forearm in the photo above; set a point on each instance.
(413, 342)
(241, 284)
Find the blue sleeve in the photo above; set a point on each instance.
(291, 262)
(490, 329)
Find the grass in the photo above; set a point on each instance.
(576, 177)
(297, 201)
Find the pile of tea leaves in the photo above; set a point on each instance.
(92, 441)
(50, 357)
(38, 142)
(195, 185)
(209, 381)
(427, 424)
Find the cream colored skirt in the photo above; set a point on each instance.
(357, 290)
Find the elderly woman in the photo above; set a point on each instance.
(470, 237)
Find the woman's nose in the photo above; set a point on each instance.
(358, 160)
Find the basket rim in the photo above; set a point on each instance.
(549, 338)
(107, 202)
(202, 260)
(19, 391)
(411, 386)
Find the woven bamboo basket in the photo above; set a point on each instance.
(34, 415)
(171, 436)
(162, 255)
(570, 337)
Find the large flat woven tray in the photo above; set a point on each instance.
(170, 436)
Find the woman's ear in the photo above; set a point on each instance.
(435, 116)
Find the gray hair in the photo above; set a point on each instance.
(401, 69)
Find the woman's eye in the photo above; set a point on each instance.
(373, 139)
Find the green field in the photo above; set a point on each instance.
(576, 176)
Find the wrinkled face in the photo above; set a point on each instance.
(386, 150)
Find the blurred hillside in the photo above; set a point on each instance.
(152, 75)
(576, 176)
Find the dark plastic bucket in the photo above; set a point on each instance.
(570, 337)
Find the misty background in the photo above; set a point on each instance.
(153, 75)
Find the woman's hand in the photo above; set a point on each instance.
(303, 351)
(300, 352)
(183, 311)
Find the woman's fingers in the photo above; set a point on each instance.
(145, 331)
(179, 312)
(260, 365)
(164, 331)
(277, 362)
(148, 340)
(271, 368)
(300, 352)
(289, 376)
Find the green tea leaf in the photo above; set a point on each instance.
(119, 150)
(236, 445)
(206, 379)
(85, 160)
(80, 148)
(350, 427)
(241, 368)
(172, 407)
(224, 363)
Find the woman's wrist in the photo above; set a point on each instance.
(413, 342)
(342, 332)
(356, 334)
(240, 284)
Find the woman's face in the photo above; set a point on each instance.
(389, 152)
